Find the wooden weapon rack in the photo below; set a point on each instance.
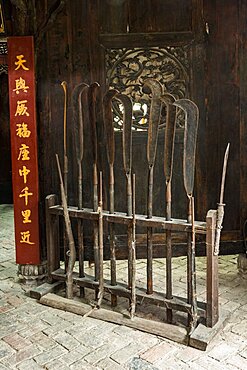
(83, 293)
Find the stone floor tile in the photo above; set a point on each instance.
(75, 355)
(5, 350)
(140, 364)
(83, 365)
(43, 341)
(208, 363)
(66, 340)
(124, 354)
(56, 365)
(238, 361)
(16, 341)
(223, 351)
(50, 355)
(157, 352)
(108, 364)
(29, 365)
(188, 354)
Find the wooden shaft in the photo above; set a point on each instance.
(168, 251)
(65, 168)
(150, 260)
(95, 226)
(129, 230)
(101, 246)
(192, 269)
(133, 248)
(150, 234)
(72, 251)
(189, 256)
(150, 192)
(112, 234)
(129, 195)
(111, 188)
(95, 187)
(130, 255)
(52, 233)
(212, 312)
(80, 228)
(65, 175)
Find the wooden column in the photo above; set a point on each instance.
(212, 314)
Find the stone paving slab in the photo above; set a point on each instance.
(33, 336)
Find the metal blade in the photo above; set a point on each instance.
(154, 118)
(170, 129)
(127, 131)
(224, 173)
(190, 136)
(108, 123)
(92, 91)
(78, 119)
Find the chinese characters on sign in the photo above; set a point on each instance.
(24, 148)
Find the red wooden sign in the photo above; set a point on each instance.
(24, 148)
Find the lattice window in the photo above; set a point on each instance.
(127, 70)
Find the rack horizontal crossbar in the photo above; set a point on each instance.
(176, 303)
(141, 220)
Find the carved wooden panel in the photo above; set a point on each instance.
(127, 69)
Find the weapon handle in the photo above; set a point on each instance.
(72, 251)
(101, 244)
(133, 253)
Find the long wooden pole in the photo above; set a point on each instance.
(101, 244)
(72, 251)
(154, 120)
(65, 164)
(133, 247)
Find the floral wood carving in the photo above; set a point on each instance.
(127, 70)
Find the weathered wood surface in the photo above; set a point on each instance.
(46, 288)
(121, 290)
(212, 272)
(168, 331)
(141, 220)
(202, 335)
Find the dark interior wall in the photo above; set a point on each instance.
(73, 49)
(5, 162)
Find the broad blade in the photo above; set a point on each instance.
(78, 118)
(92, 92)
(154, 119)
(127, 131)
(170, 129)
(108, 123)
(190, 136)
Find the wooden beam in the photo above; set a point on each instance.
(123, 40)
(175, 333)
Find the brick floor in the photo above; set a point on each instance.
(38, 337)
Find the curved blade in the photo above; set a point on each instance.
(108, 123)
(224, 173)
(65, 89)
(127, 131)
(190, 136)
(154, 118)
(168, 100)
(78, 118)
(92, 91)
